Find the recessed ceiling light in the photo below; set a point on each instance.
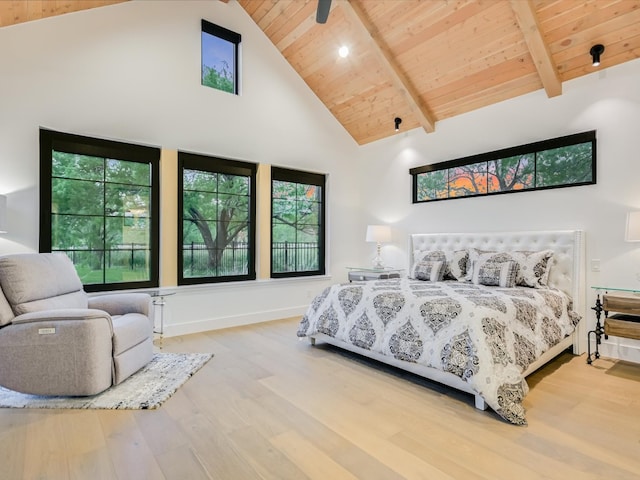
(343, 51)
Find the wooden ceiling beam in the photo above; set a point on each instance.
(361, 22)
(538, 49)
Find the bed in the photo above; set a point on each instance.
(476, 311)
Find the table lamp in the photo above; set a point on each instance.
(378, 234)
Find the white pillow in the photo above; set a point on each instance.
(455, 261)
(533, 268)
(496, 274)
(429, 271)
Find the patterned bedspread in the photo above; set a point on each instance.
(487, 336)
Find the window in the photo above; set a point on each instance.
(219, 57)
(217, 208)
(297, 223)
(559, 162)
(99, 205)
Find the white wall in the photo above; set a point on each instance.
(606, 101)
(132, 72)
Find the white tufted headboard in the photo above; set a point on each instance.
(568, 245)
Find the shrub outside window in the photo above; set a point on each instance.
(99, 205)
(216, 233)
(297, 223)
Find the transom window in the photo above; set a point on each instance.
(217, 205)
(559, 162)
(99, 204)
(297, 223)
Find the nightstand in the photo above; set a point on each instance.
(625, 322)
(363, 273)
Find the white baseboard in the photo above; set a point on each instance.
(620, 348)
(204, 325)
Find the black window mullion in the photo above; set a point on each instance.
(100, 149)
(220, 166)
(296, 179)
(529, 149)
(104, 220)
(234, 39)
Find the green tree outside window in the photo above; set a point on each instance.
(297, 223)
(217, 219)
(99, 203)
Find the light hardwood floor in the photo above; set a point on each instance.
(270, 407)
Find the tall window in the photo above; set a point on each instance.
(220, 57)
(297, 223)
(99, 205)
(217, 205)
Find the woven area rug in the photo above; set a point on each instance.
(146, 389)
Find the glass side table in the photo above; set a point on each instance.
(370, 273)
(598, 332)
(158, 299)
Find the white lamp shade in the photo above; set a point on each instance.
(3, 214)
(633, 227)
(378, 233)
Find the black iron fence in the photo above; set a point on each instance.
(295, 256)
(287, 256)
(130, 256)
(198, 259)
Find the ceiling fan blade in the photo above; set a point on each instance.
(323, 11)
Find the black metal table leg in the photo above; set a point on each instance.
(598, 332)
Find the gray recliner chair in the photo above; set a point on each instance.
(55, 340)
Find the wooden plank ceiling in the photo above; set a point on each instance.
(423, 60)
(19, 11)
(428, 60)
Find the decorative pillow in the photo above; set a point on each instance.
(496, 274)
(455, 261)
(429, 271)
(533, 268)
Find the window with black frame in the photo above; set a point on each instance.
(216, 229)
(99, 205)
(560, 162)
(297, 223)
(219, 57)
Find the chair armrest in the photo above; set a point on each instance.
(61, 315)
(123, 303)
(58, 352)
